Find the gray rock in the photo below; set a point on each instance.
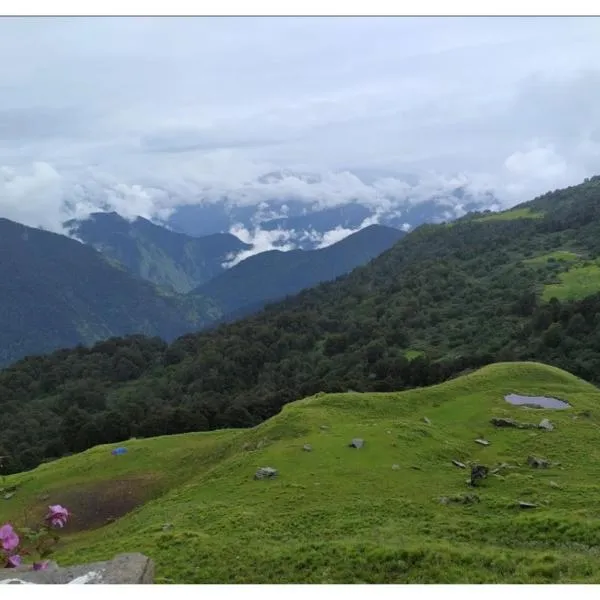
(498, 470)
(555, 485)
(266, 473)
(9, 495)
(538, 463)
(482, 442)
(324, 427)
(395, 467)
(357, 443)
(546, 424)
(167, 526)
(458, 464)
(463, 499)
(527, 505)
(307, 448)
(125, 569)
(426, 420)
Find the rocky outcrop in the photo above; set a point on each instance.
(126, 569)
(266, 473)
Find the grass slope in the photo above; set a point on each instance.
(341, 515)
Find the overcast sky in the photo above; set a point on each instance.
(141, 113)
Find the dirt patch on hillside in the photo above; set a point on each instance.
(96, 505)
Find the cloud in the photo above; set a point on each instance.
(501, 106)
(261, 241)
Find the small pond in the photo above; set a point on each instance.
(536, 402)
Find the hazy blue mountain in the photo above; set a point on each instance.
(169, 259)
(56, 292)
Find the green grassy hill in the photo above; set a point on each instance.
(342, 515)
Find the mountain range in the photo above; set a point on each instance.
(136, 277)
(519, 285)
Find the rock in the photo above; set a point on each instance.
(478, 472)
(482, 442)
(546, 424)
(537, 462)
(125, 569)
(395, 467)
(307, 448)
(500, 468)
(527, 505)
(357, 443)
(555, 485)
(501, 422)
(324, 427)
(458, 464)
(9, 495)
(426, 420)
(167, 526)
(464, 499)
(266, 473)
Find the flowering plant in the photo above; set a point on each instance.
(41, 539)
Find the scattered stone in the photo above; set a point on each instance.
(527, 505)
(357, 443)
(462, 499)
(555, 485)
(538, 463)
(9, 495)
(389, 432)
(395, 467)
(478, 472)
(546, 424)
(307, 448)
(458, 464)
(324, 427)
(482, 442)
(167, 526)
(426, 420)
(501, 422)
(500, 468)
(266, 473)
(124, 569)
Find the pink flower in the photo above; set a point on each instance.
(58, 515)
(40, 566)
(14, 560)
(8, 537)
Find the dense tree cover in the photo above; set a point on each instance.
(56, 292)
(270, 276)
(463, 294)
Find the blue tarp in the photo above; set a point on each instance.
(120, 450)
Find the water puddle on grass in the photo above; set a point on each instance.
(536, 402)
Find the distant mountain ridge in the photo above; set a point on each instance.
(155, 253)
(57, 292)
(273, 275)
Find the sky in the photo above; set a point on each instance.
(141, 114)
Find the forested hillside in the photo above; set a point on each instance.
(271, 276)
(56, 292)
(523, 285)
